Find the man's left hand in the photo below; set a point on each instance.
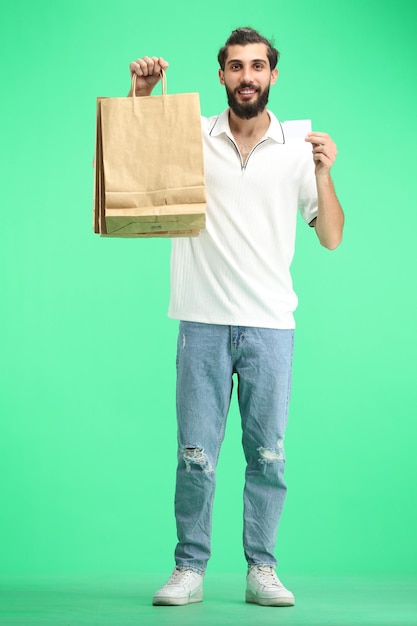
(324, 152)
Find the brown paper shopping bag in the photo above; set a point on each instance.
(149, 174)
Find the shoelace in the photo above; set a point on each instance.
(179, 576)
(268, 576)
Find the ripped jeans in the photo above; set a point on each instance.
(208, 356)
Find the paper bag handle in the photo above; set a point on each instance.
(163, 81)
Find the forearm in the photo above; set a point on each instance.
(139, 93)
(330, 219)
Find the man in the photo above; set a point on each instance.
(231, 289)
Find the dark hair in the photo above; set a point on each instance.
(243, 37)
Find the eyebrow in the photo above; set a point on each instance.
(252, 61)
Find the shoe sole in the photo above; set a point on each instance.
(252, 598)
(169, 601)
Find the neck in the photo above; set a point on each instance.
(254, 126)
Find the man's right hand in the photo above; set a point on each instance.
(148, 73)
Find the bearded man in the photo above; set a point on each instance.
(231, 291)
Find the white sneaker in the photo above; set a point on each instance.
(264, 587)
(184, 587)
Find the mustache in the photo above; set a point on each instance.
(246, 86)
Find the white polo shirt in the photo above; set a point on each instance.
(237, 272)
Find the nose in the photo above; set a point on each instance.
(246, 74)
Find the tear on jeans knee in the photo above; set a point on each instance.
(195, 456)
(272, 455)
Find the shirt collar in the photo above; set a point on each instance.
(221, 127)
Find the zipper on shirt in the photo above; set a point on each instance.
(244, 165)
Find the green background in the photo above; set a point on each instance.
(87, 441)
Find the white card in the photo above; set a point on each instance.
(296, 129)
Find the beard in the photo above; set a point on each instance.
(248, 110)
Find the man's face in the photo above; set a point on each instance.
(247, 77)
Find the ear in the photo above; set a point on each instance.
(221, 77)
(274, 76)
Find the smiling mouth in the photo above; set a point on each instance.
(247, 92)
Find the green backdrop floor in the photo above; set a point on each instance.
(126, 601)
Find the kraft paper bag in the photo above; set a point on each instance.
(149, 173)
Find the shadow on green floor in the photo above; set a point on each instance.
(126, 601)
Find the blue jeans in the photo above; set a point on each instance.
(208, 356)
